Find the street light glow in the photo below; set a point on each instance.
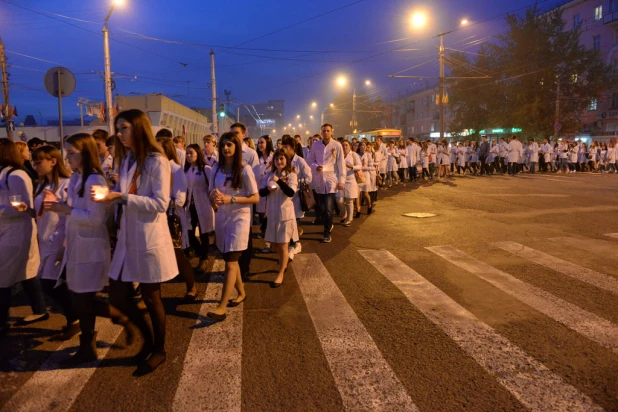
(311, 117)
(464, 22)
(300, 125)
(342, 81)
(298, 116)
(289, 124)
(332, 105)
(418, 19)
(314, 105)
(118, 2)
(367, 82)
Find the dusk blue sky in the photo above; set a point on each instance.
(342, 42)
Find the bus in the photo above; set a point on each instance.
(371, 135)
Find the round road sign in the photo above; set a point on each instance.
(59, 81)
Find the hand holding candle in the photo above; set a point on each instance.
(99, 192)
(15, 200)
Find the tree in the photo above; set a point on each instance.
(534, 62)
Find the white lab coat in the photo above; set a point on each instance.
(52, 231)
(412, 154)
(432, 152)
(145, 252)
(514, 149)
(303, 172)
(233, 221)
(262, 169)
(350, 187)
(403, 155)
(534, 152)
(179, 195)
(330, 157)
(383, 158)
(281, 226)
(19, 251)
(249, 156)
(87, 253)
(367, 167)
(210, 160)
(547, 151)
(182, 156)
(391, 164)
(443, 156)
(197, 188)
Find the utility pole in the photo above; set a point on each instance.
(5, 87)
(557, 125)
(213, 90)
(354, 123)
(441, 87)
(108, 76)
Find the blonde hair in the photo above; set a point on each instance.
(209, 138)
(179, 139)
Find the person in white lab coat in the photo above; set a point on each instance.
(198, 208)
(265, 155)
(210, 150)
(367, 167)
(514, 149)
(19, 251)
(546, 150)
(178, 202)
(54, 176)
(303, 173)
(403, 161)
(392, 154)
(86, 258)
(233, 191)
(105, 157)
(249, 157)
(444, 161)
(328, 169)
(278, 187)
(533, 148)
(145, 252)
(347, 197)
(181, 150)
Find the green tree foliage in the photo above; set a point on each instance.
(536, 58)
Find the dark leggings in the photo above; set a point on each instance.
(32, 289)
(185, 269)
(87, 307)
(200, 246)
(61, 296)
(121, 296)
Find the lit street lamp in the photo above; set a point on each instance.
(108, 68)
(343, 81)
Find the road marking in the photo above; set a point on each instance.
(211, 374)
(53, 388)
(363, 377)
(550, 195)
(562, 266)
(556, 180)
(614, 235)
(528, 380)
(588, 324)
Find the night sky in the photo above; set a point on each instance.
(297, 64)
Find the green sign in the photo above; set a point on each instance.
(501, 131)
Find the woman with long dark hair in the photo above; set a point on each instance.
(232, 192)
(86, 259)
(19, 251)
(198, 208)
(265, 156)
(177, 206)
(53, 176)
(144, 252)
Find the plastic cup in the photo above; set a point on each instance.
(15, 200)
(100, 192)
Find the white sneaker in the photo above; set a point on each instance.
(298, 248)
(291, 252)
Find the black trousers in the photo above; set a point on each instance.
(32, 289)
(245, 258)
(484, 168)
(200, 246)
(61, 296)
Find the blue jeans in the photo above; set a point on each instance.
(327, 204)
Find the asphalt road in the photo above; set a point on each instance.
(505, 300)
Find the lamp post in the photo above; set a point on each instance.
(108, 70)
(342, 81)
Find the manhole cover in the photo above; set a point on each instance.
(420, 215)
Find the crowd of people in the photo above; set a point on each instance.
(126, 213)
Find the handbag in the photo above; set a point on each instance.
(173, 222)
(398, 160)
(360, 176)
(419, 169)
(307, 200)
(379, 179)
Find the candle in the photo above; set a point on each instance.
(100, 192)
(15, 200)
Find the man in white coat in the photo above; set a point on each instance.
(533, 148)
(414, 156)
(514, 149)
(432, 151)
(563, 150)
(329, 174)
(546, 150)
(249, 157)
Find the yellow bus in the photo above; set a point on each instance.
(371, 135)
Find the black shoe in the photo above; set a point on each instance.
(149, 366)
(216, 316)
(26, 321)
(369, 210)
(232, 304)
(143, 354)
(326, 239)
(317, 222)
(275, 285)
(357, 215)
(342, 220)
(66, 333)
(87, 351)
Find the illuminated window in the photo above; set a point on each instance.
(593, 105)
(598, 13)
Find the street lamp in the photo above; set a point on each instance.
(298, 116)
(108, 68)
(314, 105)
(342, 81)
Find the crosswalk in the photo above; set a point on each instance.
(364, 376)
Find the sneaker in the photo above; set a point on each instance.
(347, 224)
(266, 248)
(291, 252)
(326, 239)
(298, 248)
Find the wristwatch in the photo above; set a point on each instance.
(233, 199)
